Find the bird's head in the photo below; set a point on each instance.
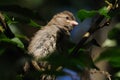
(64, 20)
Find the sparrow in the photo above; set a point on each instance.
(51, 39)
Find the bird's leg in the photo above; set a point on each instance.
(36, 66)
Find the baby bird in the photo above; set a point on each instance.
(49, 39)
(52, 37)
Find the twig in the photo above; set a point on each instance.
(94, 28)
(6, 28)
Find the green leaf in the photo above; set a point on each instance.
(86, 60)
(34, 24)
(112, 55)
(19, 77)
(7, 40)
(83, 14)
(104, 11)
(114, 33)
(14, 41)
(2, 50)
(118, 74)
(18, 42)
(70, 50)
(9, 19)
(115, 63)
(20, 36)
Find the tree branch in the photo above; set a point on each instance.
(111, 6)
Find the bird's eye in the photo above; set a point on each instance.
(67, 17)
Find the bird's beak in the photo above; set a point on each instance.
(73, 23)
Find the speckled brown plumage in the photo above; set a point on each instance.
(52, 37)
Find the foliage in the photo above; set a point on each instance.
(34, 24)
(13, 50)
(112, 54)
(83, 14)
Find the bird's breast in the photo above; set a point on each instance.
(42, 44)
